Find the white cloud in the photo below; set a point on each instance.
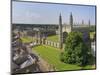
(32, 15)
(26, 17)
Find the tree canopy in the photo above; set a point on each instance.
(76, 51)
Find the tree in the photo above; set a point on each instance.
(65, 34)
(76, 51)
(94, 37)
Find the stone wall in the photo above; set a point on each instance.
(51, 43)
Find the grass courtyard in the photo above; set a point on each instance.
(30, 39)
(54, 38)
(92, 35)
(27, 39)
(52, 56)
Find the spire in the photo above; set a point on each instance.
(71, 20)
(60, 32)
(82, 22)
(60, 19)
(89, 23)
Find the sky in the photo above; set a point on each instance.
(43, 13)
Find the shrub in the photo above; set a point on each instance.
(76, 51)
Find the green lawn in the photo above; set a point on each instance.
(51, 55)
(54, 38)
(27, 39)
(92, 35)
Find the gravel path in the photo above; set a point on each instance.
(43, 65)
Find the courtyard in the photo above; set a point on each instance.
(52, 55)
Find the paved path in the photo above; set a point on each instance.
(43, 65)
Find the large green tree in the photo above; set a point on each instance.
(76, 51)
(65, 34)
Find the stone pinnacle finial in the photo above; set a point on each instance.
(71, 20)
(82, 22)
(89, 22)
(60, 32)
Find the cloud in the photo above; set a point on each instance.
(26, 17)
(32, 15)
